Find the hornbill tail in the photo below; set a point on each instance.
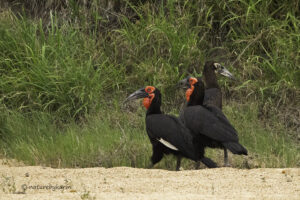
(208, 162)
(236, 148)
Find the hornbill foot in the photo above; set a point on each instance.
(179, 169)
(226, 164)
(178, 163)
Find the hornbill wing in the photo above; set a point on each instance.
(220, 115)
(213, 96)
(171, 132)
(212, 124)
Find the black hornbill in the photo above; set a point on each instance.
(213, 94)
(166, 133)
(207, 122)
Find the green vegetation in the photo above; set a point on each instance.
(65, 73)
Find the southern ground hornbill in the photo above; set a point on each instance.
(167, 133)
(213, 93)
(208, 124)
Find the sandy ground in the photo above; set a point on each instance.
(36, 182)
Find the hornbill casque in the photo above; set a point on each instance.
(208, 124)
(167, 134)
(213, 93)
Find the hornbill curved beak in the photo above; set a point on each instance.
(223, 71)
(141, 93)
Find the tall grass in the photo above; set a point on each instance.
(121, 140)
(66, 67)
(58, 70)
(36, 140)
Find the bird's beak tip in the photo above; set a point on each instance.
(233, 78)
(227, 73)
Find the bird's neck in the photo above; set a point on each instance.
(210, 79)
(197, 96)
(195, 102)
(154, 108)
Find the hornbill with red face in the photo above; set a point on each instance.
(213, 93)
(207, 122)
(167, 134)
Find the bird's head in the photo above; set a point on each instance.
(190, 83)
(218, 69)
(148, 93)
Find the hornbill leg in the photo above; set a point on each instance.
(226, 162)
(178, 163)
(206, 161)
(157, 155)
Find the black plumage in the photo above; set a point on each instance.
(207, 122)
(167, 133)
(213, 127)
(213, 93)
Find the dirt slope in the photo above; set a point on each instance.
(130, 183)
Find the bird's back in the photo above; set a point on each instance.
(210, 122)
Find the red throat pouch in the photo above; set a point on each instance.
(147, 101)
(188, 93)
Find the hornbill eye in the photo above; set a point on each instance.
(217, 66)
(149, 89)
(192, 80)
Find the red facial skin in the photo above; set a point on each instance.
(148, 100)
(189, 91)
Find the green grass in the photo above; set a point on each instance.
(36, 140)
(267, 146)
(120, 140)
(65, 73)
(52, 71)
